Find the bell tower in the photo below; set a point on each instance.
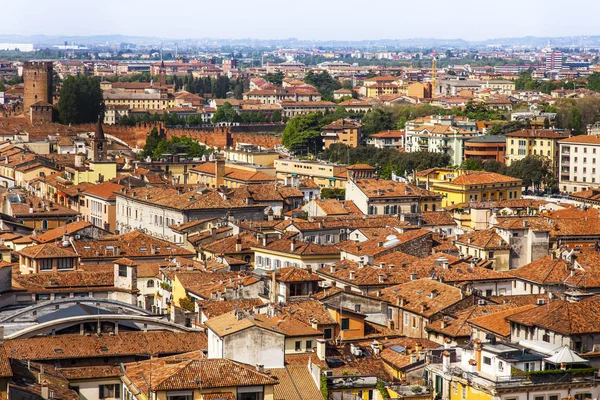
(99, 143)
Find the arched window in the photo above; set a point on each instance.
(150, 283)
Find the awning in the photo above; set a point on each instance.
(567, 356)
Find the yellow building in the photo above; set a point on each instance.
(343, 131)
(533, 142)
(92, 173)
(152, 101)
(326, 175)
(460, 186)
(218, 173)
(25, 174)
(351, 324)
(251, 156)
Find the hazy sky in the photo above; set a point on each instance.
(306, 19)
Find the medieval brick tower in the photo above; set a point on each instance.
(37, 78)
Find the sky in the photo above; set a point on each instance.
(306, 19)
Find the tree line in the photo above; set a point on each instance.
(386, 161)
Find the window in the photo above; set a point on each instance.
(123, 271)
(546, 337)
(182, 396)
(42, 297)
(583, 396)
(250, 393)
(65, 263)
(345, 324)
(150, 283)
(327, 333)
(45, 264)
(555, 396)
(109, 391)
(539, 397)
(357, 307)
(414, 322)
(298, 346)
(487, 360)
(309, 345)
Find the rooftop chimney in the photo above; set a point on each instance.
(321, 349)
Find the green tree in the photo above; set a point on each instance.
(276, 78)
(532, 170)
(494, 166)
(276, 116)
(377, 120)
(593, 82)
(187, 304)
(472, 164)
(324, 83)
(152, 141)
(301, 129)
(81, 100)
(225, 113)
(546, 123)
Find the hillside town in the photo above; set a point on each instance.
(320, 224)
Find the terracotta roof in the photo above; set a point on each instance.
(57, 233)
(582, 139)
(181, 372)
(538, 133)
(93, 372)
(378, 188)
(458, 325)
(380, 246)
(228, 245)
(132, 245)
(295, 383)
(496, 322)
(183, 200)
(584, 273)
(5, 370)
(436, 218)
(294, 274)
(309, 311)
(564, 317)
(124, 344)
(389, 134)
(49, 282)
(537, 224)
(287, 325)
(213, 309)
(104, 190)
(418, 296)
(482, 178)
(487, 239)
(47, 251)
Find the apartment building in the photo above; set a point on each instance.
(387, 140)
(344, 131)
(578, 167)
(326, 175)
(534, 142)
(487, 147)
(468, 186)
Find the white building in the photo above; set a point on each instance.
(578, 163)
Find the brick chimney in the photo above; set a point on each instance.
(219, 173)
